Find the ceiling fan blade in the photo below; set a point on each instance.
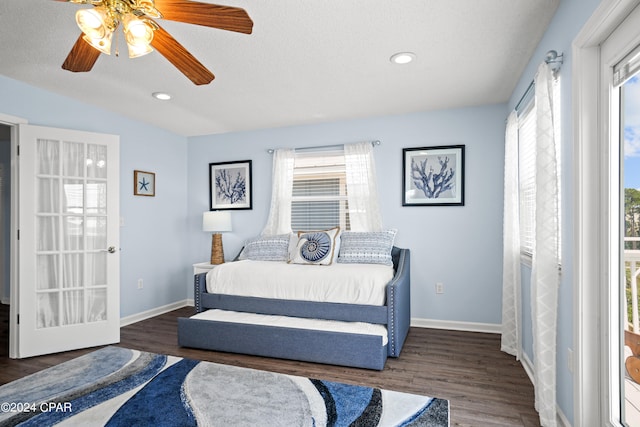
(209, 15)
(175, 53)
(81, 57)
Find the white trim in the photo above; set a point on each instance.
(12, 120)
(591, 210)
(14, 291)
(5, 300)
(144, 315)
(491, 328)
(562, 418)
(527, 364)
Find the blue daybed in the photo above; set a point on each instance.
(312, 345)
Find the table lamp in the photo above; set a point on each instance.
(216, 222)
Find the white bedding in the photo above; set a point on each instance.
(342, 283)
(294, 322)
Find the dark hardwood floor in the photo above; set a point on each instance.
(485, 387)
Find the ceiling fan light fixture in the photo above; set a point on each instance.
(102, 44)
(136, 51)
(137, 30)
(93, 22)
(139, 34)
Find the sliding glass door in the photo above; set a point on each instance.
(630, 177)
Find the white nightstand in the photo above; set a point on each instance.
(202, 267)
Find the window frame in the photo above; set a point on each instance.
(317, 165)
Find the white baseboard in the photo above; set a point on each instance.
(562, 418)
(5, 301)
(457, 326)
(124, 321)
(527, 364)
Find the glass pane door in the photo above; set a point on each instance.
(71, 231)
(630, 135)
(69, 240)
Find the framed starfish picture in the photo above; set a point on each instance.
(433, 176)
(144, 183)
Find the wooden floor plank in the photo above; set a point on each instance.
(485, 387)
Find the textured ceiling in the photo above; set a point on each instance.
(306, 62)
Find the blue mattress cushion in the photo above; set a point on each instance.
(372, 247)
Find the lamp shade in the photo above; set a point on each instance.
(216, 221)
(139, 34)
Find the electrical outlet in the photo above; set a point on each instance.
(439, 288)
(570, 360)
(140, 284)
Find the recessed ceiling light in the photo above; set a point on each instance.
(162, 96)
(403, 57)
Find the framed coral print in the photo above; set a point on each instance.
(230, 185)
(144, 183)
(433, 176)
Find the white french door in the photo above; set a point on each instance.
(620, 70)
(68, 267)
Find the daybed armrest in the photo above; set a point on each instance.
(399, 301)
(199, 286)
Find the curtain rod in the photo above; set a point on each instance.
(552, 57)
(374, 143)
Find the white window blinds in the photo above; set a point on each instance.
(627, 68)
(527, 177)
(319, 197)
(527, 135)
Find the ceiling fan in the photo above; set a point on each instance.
(143, 34)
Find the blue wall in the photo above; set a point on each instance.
(458, 246)
(161, 237)
(567, 22)
(152, 239)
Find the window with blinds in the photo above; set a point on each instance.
(319, 197)
(527, 177)
(527, 168)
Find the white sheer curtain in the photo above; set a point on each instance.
(279, 221)
(48, 232)
(511, 341)
(362, 190)
(545, 277)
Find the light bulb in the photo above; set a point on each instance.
(139, 34)
(92, 22)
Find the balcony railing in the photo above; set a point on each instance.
(632, 269)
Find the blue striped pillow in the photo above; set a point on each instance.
(267, 248)
(370, 247)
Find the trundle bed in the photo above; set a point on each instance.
(361, 334)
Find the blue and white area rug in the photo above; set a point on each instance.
(115, 386)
